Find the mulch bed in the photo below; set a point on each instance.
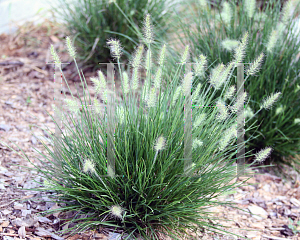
(26, 86)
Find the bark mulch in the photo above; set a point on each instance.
(26, 86)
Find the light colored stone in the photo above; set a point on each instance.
(258, 211)
(22, 232)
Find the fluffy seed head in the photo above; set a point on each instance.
(239, 103)
(121, 114)
(229, 93)
(97, 106)
(176, 94)
(162, 55)
(263, 154)
(272, 41)
(136, 61)
(200, 65)
(268, 102)
(240, 50)
(151, 101)
(185, 55)
(197, 143)
(248, 112)
(135, 79)
(157, 79)
(256, 65)
(279, 110)
(224, 74)
(71, 48)
(223, 111)
(203, 3)
(116, 211)
(226, 13)
(226, 139)
(215, 78)
(200, 119)
(196, 92)
(287, 12)
(187, 83)
(54, 55)
(58, 112)
(148, 30)
(115, 48)
(125, 82)
(280, 28)
(47, 184)
(230, 44)
(89, 166)
(160, 143)
(99, 83)
(72, 105)
(297, 120)
(250, 6)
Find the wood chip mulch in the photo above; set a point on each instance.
(26, 86)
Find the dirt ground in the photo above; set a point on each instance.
(27, 89)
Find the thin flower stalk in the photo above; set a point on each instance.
(148, 60)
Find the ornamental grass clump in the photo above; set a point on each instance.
(271, 48)
(92, 22)
(146, 190)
